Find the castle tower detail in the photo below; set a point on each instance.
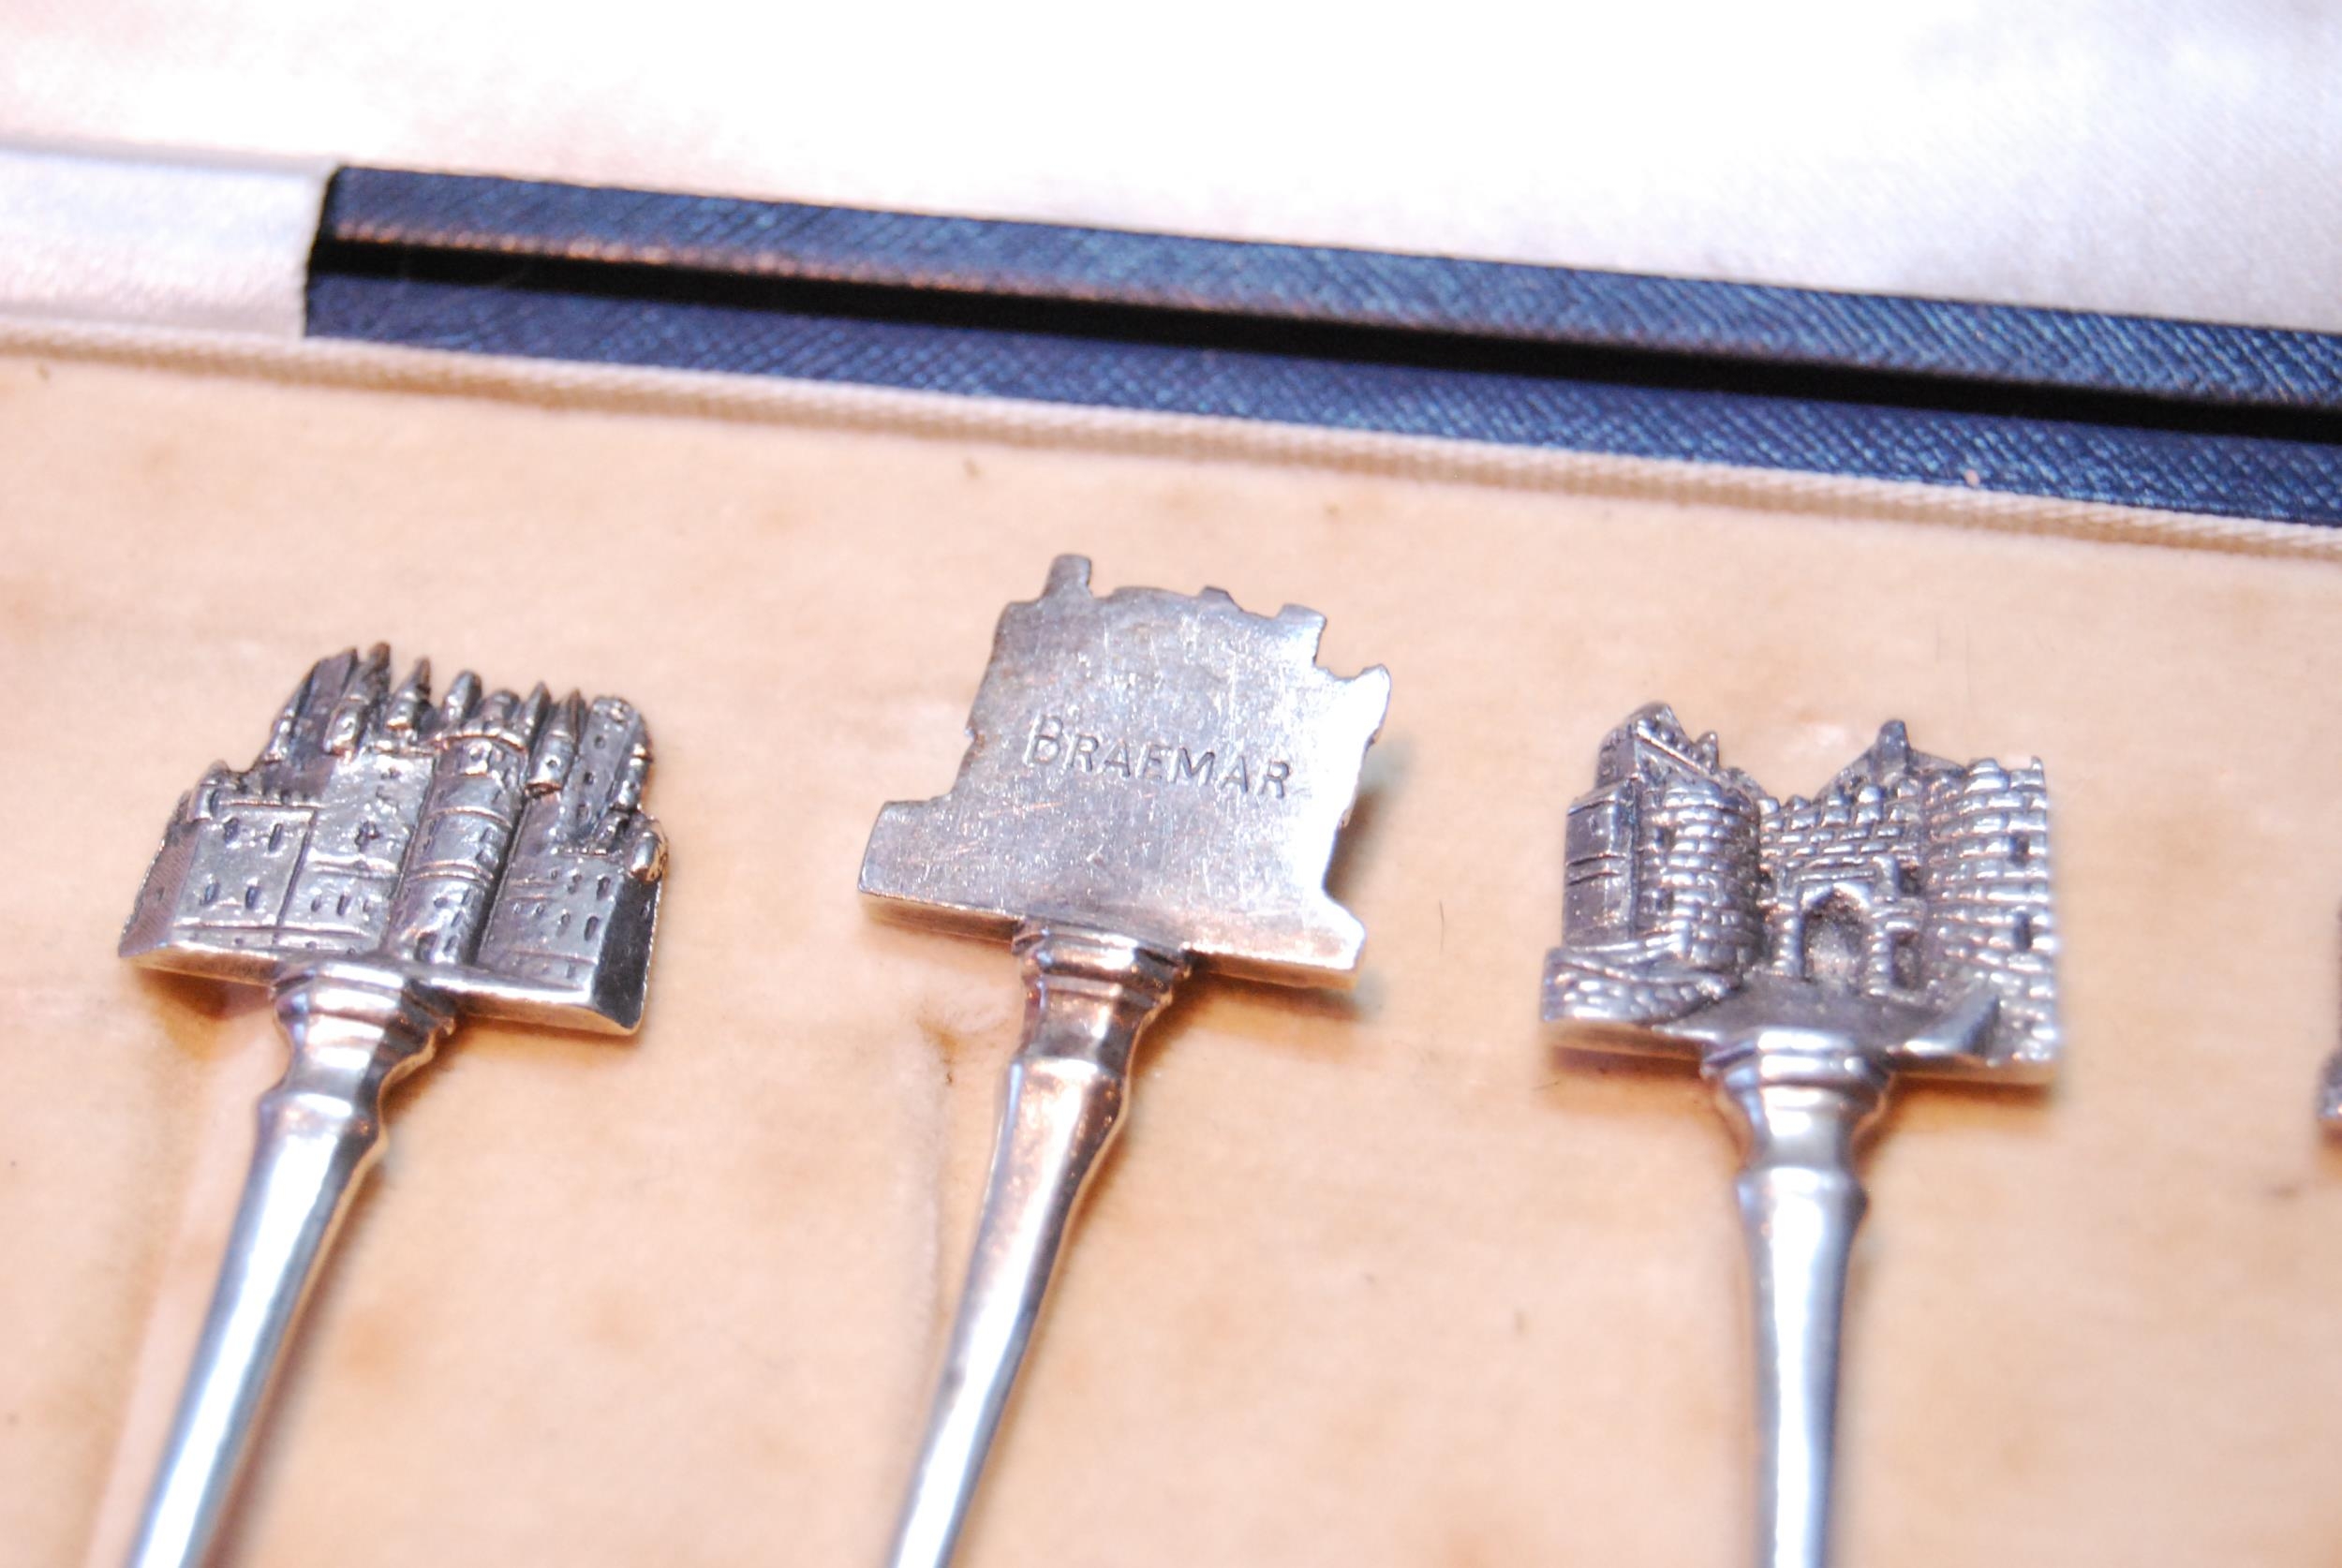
(1910, 882)
(488, 843)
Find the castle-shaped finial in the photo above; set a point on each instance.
(1915, 883)
(495, 841)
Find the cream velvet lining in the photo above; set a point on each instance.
(1373, 1279)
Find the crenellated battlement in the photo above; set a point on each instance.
(490, 840)
(1910, 880)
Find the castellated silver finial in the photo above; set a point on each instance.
(1906, 904)
(1804, 953)
(1152, 780)
(493, 848)
(387, 863)
(1166, 765)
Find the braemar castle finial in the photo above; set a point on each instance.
(1169, 761)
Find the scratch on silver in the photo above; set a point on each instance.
(1804, 952)
(1153, 782)
(389, 862)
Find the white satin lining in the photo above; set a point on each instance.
(143, 240)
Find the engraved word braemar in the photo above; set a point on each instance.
(1128, 805)
(1058, 742)
(1168, 766)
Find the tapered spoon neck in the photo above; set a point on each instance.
(1800, 1104)
(354, 1030)
(1088, 995)
(1799, 1100)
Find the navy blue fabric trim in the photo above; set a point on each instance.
(618, 320)
(2002, 347)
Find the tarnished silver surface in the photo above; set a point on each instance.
(492, 846)
(388, 863)
(1804, 952)
(1170, 768)
(1151, 779)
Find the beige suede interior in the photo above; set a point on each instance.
(1374, 1279)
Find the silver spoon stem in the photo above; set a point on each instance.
(1088, 997)
(1800, 1102)
(354, 1030)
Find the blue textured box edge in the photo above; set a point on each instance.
(2185, 416)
